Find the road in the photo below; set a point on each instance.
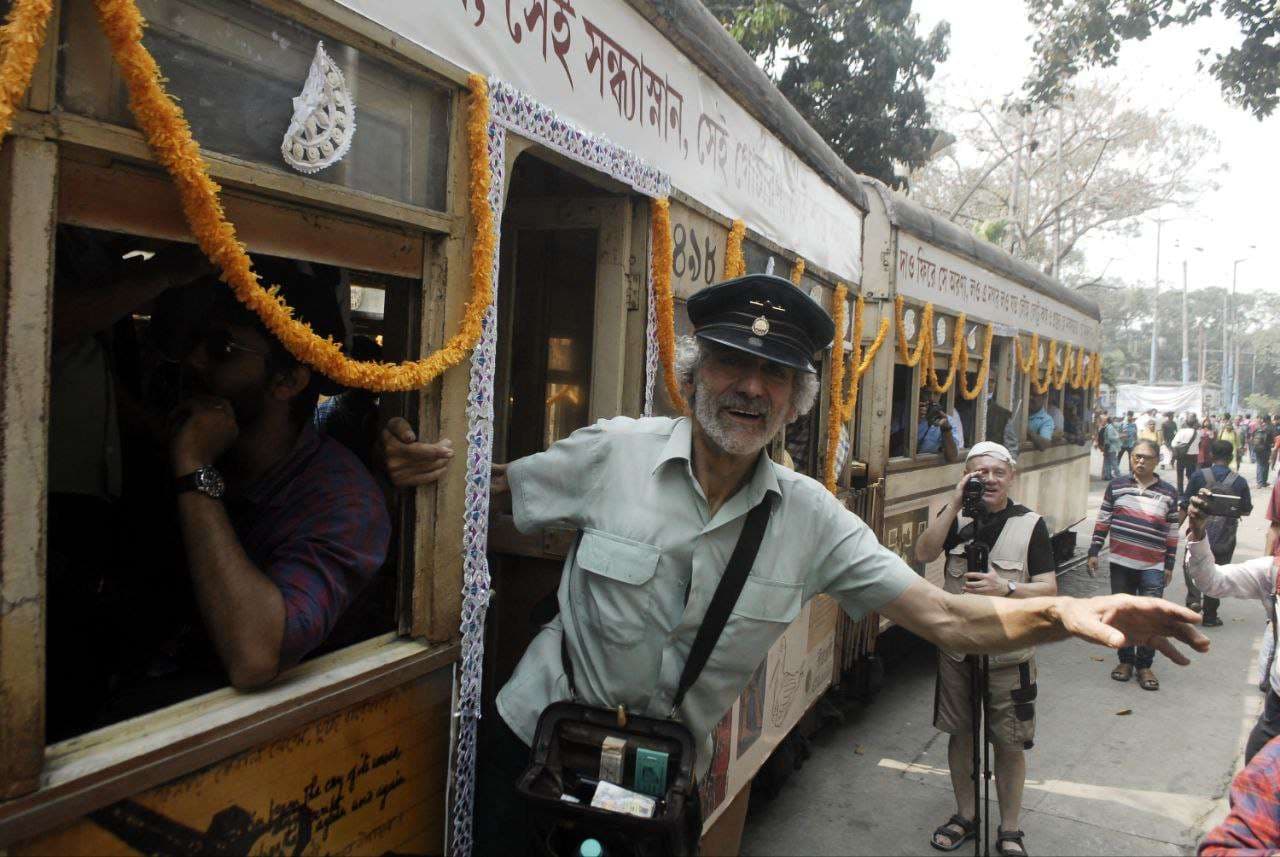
(1098, 781)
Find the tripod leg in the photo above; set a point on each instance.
(986, 758)
(975, 712)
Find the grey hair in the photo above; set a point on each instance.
(691, 352)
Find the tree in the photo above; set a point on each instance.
(1071, 35)
(855, 69)
(1117, 162)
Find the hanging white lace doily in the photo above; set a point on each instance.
(324, 118)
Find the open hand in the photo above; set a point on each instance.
(1124, 620)
(409, 461)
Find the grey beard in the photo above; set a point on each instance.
(732, 439)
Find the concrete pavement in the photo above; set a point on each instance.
(1150, 781)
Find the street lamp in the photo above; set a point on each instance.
(1231, 380)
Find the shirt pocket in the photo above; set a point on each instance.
(763, 611)
(1009, 569)
(616, 589)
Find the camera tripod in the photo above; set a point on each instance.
(976, 554)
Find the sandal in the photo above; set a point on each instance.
(1014, 836)
(1124, 672)
(1147, 680)
(958, 830)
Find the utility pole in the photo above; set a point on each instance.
(1235, 379)
(1203, 355)
(1155, 305)
(1186, 363)
(1230, 384)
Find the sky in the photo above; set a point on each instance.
(991, 55)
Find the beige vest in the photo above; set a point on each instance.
(1008, 558)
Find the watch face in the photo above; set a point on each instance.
(209, 482)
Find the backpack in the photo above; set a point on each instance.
(1220, 530)
(1182, 441)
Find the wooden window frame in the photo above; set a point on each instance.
(43, 786)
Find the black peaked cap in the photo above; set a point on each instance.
(763, 315)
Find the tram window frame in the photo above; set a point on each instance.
(91, 770)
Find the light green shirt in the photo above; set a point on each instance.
(647, 539)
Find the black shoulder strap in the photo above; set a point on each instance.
(726, 595)
(717, 615)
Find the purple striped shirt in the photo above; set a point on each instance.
(318, 526)
(1142, 523)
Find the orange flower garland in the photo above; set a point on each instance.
(660, 210)
(837, 388)
(169, 137)
(1068, 361)
(1041, 386)
(860, 363)
(734, 263)
(1029, 365)
(21, 38)
(957, 344)
(980, 382)
(925, 339)
(797, 272)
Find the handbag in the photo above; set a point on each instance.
(573, 738)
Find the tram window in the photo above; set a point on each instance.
(902, 421)
(237, 67)
(136, 619)
(967, 409)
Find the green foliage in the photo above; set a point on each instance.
(1261, 403)
(1072, 35)
(855, 69)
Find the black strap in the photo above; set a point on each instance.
(717, 615)
(727, 592)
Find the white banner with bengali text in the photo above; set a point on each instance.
(955, 284)
(604, 68)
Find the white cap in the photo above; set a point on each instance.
(992, 449)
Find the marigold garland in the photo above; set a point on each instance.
(979, 382)
(660, 219)
(21, 38)
(957, 345)
(1030, 365)
(168, 135)
(1068, 362)
(925, 339)
(734, 263)
(859, 363)
(1041, 385)
(797, 272)
(836, 390)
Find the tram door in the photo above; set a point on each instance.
(561, 358)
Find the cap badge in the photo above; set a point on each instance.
(760, 326)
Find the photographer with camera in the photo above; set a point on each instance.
(1140, 514)
(938, 432)
(1021, 565)
(1221, 528)
(1253, 579)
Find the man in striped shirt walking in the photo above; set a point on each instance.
(1140, 513)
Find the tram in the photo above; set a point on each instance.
(587, 163)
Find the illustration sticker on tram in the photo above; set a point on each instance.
(901, 532)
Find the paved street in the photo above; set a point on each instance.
(1099, 781)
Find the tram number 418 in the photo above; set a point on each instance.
(687, 255)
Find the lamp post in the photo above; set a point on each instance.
(1155, 304)
(1186, 359)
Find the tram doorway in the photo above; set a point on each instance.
(563, 315)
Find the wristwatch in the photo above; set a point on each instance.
(1013, 587)
(207, 480)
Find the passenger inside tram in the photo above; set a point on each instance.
(938, 430)
(202, 531)
(1040, 421)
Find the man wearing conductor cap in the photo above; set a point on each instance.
(660, 504)
(1020, 565)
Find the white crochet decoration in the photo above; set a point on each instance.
(324, 118)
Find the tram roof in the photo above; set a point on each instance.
(940, 232)
(704, 40)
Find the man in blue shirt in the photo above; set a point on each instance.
(1040, 423)
(934, 432)
(1220, 531)
(1128, 437)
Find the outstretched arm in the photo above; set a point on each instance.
(994, 625)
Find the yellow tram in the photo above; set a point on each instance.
(631, 154)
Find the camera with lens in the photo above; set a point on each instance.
(971, 505)
(934, 413)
